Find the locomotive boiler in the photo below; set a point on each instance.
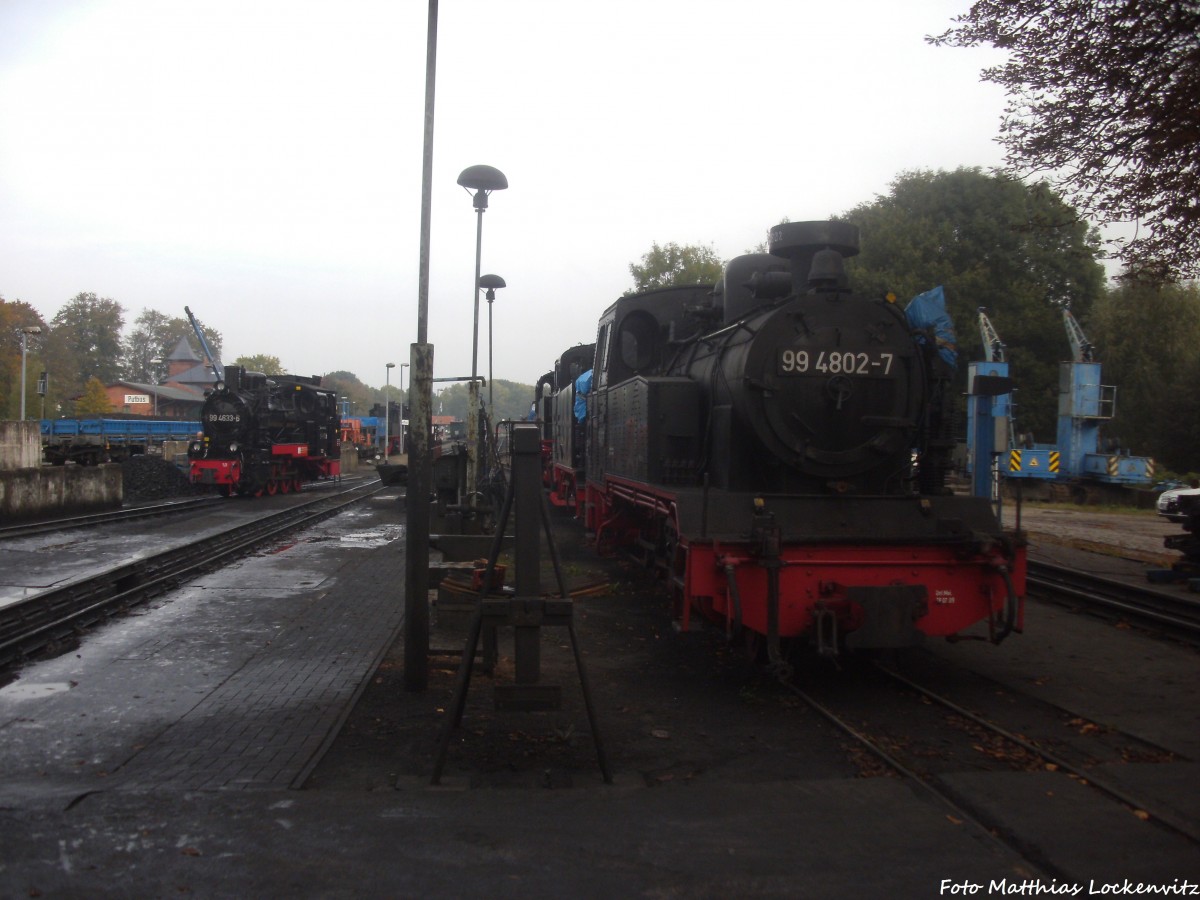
(779, 447)
(266, 434)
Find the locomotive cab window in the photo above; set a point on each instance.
(601, 377)
(637, 339)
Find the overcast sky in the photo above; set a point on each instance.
(260, 161)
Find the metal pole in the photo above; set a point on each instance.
(387, 409)
(491, 409)
(420, 476)
(403, 398)
(24, 348)
(473, 388)
(478, 252)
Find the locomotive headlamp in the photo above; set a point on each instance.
(233, 447)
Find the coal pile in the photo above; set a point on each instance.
(153, 478)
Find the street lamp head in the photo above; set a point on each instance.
(491, 284)
(31, 329)
(482, 180)
(390, 366)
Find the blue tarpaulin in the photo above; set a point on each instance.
(583, 387)
(928, 310)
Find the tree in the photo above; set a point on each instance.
(1102, 95)
(992, 242)
(85, 340)
(261, 362)
(348, 386)
(15, 315)
(154, 336)
(94, 399)
(674, 264)
(149, 339)
(1146, 338)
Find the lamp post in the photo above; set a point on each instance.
(387, 410)
(156, 362)
(403, 366)
(491, 284)
(26, 331)
(481, 180)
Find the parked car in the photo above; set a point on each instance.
(1168, 502)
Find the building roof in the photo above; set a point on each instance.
(183, 351)
(200, 376)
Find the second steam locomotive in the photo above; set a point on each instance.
(266, 434)
(779, 446)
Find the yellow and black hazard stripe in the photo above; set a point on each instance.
(1016, 461)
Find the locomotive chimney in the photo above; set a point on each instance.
(799, 242)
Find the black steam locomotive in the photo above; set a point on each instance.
(561, 412)
(779, 445)
(266, 434)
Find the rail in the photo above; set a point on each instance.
(1174, 613)
(38, 621)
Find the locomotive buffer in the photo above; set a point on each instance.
(526, 612)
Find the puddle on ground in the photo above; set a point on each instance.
(19, 690)
(376, 537)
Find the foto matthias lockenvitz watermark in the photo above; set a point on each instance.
(1179, 887)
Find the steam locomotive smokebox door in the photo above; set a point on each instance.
(654, 429)
(891, 616)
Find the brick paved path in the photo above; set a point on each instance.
(267, 723)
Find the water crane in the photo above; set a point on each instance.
(218, 369)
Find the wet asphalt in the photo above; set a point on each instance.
(164, 756)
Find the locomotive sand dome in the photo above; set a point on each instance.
(778, 446)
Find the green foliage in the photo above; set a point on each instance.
(347, 385)
(672, 264)
(510, 400)
(1147, 339)
(261, 362)
(85, 341)
(991, 242)
(94, 399)
(1103, 95)
(15, 315)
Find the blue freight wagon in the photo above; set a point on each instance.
(89, 442)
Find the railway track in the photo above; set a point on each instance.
(1173, 612)
(32, 624)
(110, 517)
(927, 739)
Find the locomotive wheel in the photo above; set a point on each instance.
(272, 487)
(297, 482)
(285, 485)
